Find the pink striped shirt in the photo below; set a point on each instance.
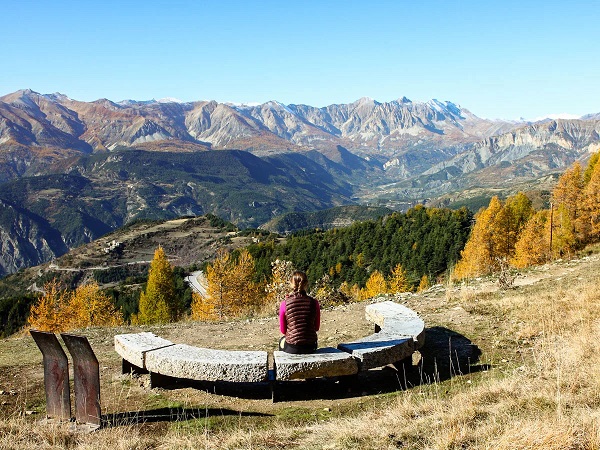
(283, 321)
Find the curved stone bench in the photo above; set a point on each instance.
(133, 348)
(399, 332)
(325, 362)
(204, 364)
(159, 356)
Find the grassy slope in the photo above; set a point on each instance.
(536, 383)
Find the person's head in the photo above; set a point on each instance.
(299, 281)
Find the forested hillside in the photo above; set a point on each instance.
(425, 241)
(396, 253)
(339, 216)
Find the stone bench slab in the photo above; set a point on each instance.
(379, 349)
(203, 364)
(398, 320)
(133, 347)
(325, 362)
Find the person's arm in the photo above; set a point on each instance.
(318, 316)
(282, 319)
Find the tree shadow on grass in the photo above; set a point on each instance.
(168, 415)
(444, 355)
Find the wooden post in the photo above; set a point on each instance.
(551, 226)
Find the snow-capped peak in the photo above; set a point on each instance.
(169, 100)
(556, 116)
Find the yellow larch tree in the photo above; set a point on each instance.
(564, 239)
(398, 281)
(566, 200)
(231, 286)
(218, 278)
(533, 246)
(246, 294)
(352, 292)
(424, 284)
(591, 166)
(484, 244)
(203, 308)
(281, 272)
(517, 210)
(568, 189)
(375, 285)
(48, 312)
(88, 306)
(158, 303)
(591, 205)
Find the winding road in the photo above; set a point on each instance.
(197, 281)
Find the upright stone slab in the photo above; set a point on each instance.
(379, 349)
(56, 374)
(325, 362)
(86, 379)
(133, 347)
(194, 363)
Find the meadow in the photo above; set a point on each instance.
(502, 368)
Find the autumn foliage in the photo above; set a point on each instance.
(231, 289)
(59, 310)
(387, 256)
(159, 303)
(513, 232)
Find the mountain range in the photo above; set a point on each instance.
(71, 171)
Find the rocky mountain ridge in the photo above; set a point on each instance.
(42, 217)
(41, 133)
(54, 121)
(71, 171)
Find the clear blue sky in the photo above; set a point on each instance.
(506, 59)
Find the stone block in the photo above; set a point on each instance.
(203, 364)
(397, 320)
(134, 346)
(325, 362)
(379, 349)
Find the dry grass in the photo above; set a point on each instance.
(542, 390)
(549, 399)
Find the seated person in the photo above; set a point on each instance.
(299, 318)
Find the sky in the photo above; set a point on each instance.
(500, 60)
